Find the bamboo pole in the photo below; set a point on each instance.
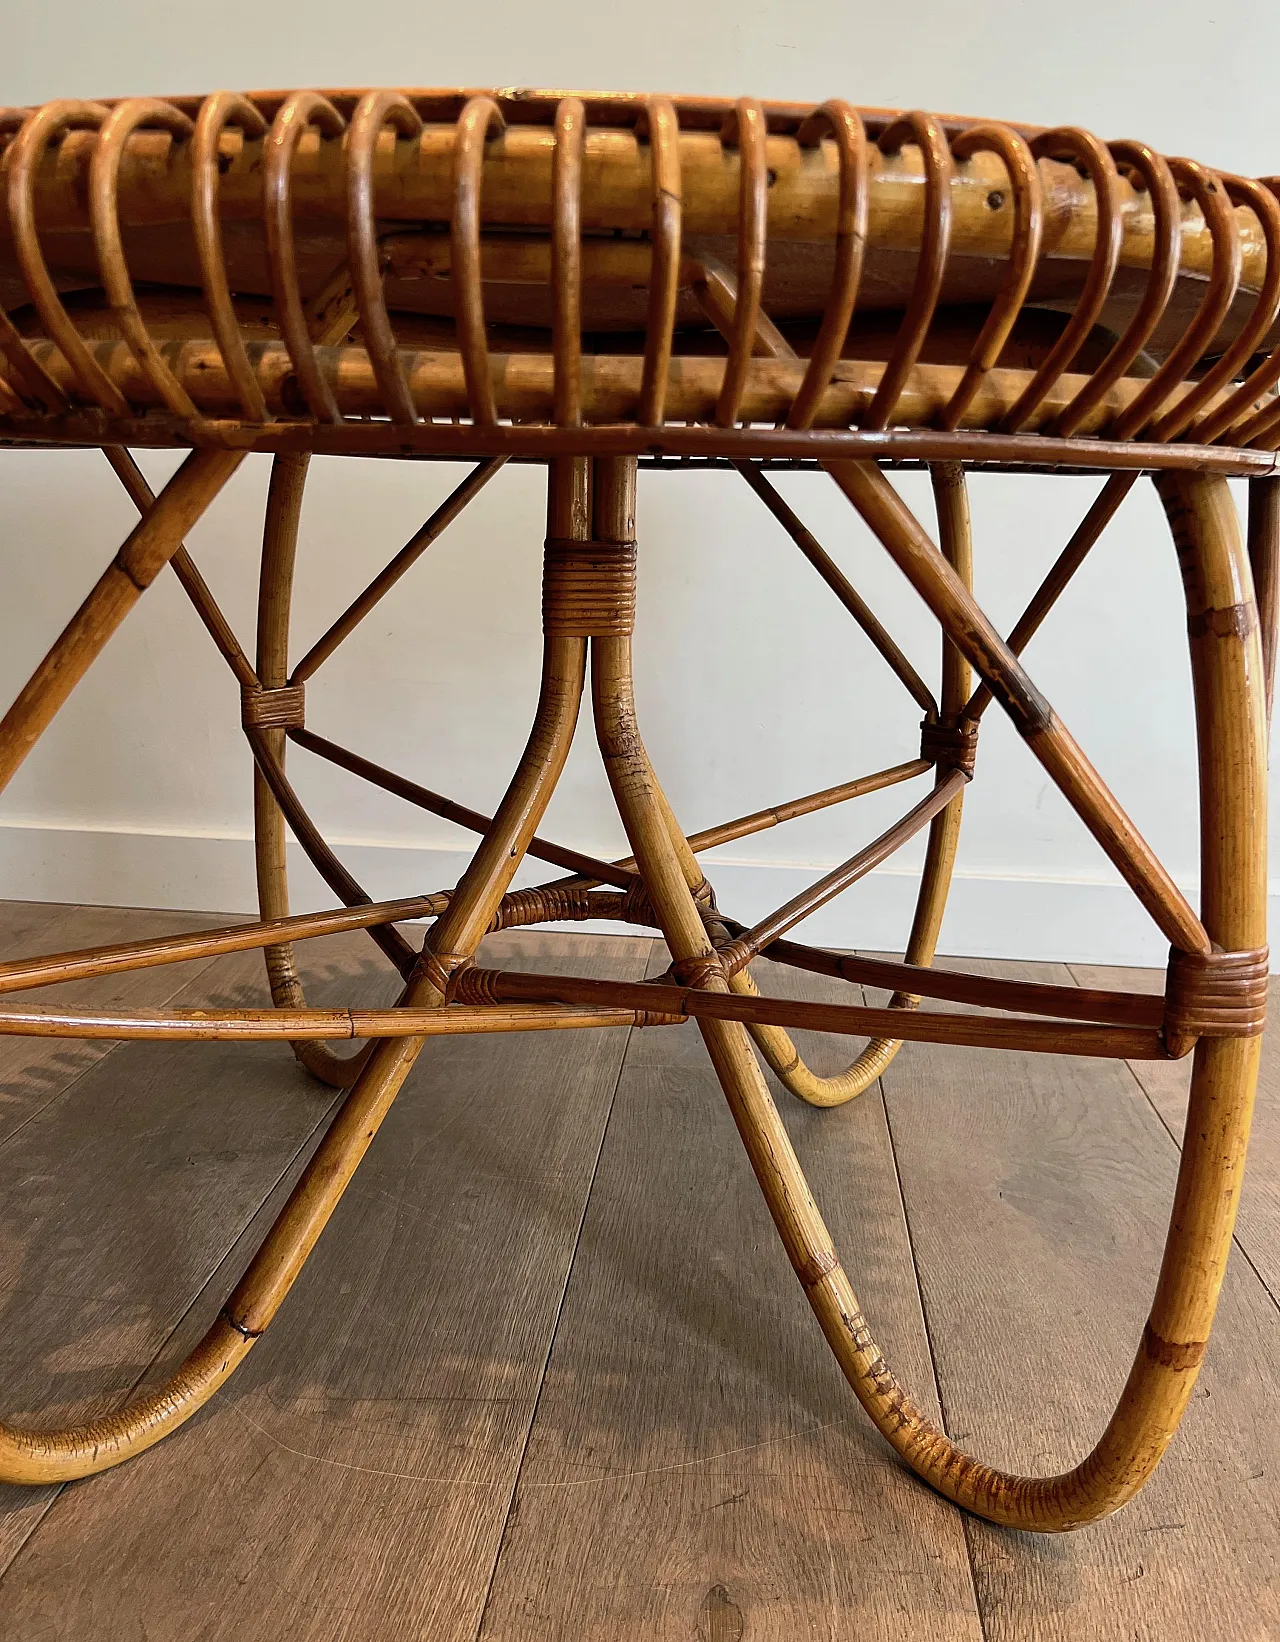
(759, 820)
(962, 618)
(270, 837)
(708, 1002)
(21, 973)
(599, 172)
(535, 440)
(386, 579)
(306, 1025)
(1228, 672)
(840, 585)
(781, 1054)
(745, 826)
(326, 320)
(582, 866)
(147, 549)
(1100, 514)
(801, 906)
(193, 583)
(385, 936)
(957, 986)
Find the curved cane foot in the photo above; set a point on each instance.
(776, 1045)
(80, 1450)
(1163, 1373)
(1173, 1342)
(335, 1071)
(797, 1076)
(1228, 675)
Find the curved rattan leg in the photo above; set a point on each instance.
(79, 1451)
(776, 1045)
(1231, 718)
(270, 834)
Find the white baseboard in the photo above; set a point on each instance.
(1077, 919)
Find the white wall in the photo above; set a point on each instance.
(753, 685)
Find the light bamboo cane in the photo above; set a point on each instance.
(148, 548)
(1231, 708)
(411, 183)
(59, 1456)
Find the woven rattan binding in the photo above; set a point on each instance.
(588, 589)
(283, 709)
(1214, 995)
(950, 745)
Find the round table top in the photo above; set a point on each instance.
(935, 271)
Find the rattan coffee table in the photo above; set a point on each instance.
(598, 284)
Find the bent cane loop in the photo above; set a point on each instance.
(270, 834)
(775, 1044)
(61, 1456)
(327, 319)
(275, 589)
(1231, 711)
(146, 551)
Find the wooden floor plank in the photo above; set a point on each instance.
(33, 1071)
(353, 1479)
(1166, 1084)
(121, 1195)
(22, 921)
(1038, 1190)
(698, 1467)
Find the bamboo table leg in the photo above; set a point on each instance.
(1230, 694)
(60, 1456)
(305, 393)
(279, 547)
(149, 547)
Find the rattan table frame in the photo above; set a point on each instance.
(579, 194)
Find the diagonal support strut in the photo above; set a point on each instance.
(909, 545)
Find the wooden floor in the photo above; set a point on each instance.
(548, 1375)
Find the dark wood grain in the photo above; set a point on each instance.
(696, 1466)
